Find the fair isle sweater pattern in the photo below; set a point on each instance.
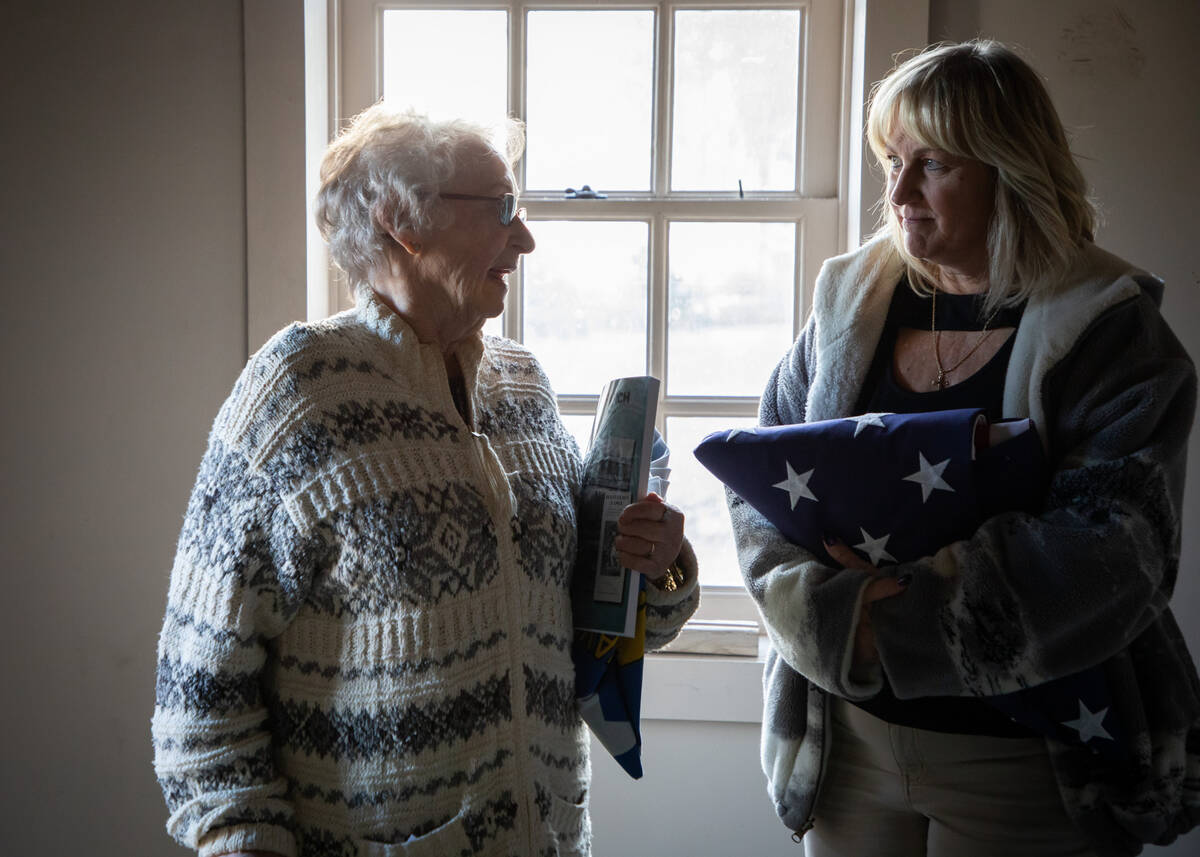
(1027, 598)
(366, 648)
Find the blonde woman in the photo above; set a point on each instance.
(984, 289)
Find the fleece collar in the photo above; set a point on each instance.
(854, 290)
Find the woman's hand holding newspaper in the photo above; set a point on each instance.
(649, 536)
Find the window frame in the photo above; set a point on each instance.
(815, 205)
(874, 32)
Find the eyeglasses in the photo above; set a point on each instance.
(508, 204)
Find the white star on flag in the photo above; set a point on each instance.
(929, 477)
(796, 485)
(875, 548)
(735, 432)
(1090, 724)
(864, 420)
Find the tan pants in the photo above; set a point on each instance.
(892, 791)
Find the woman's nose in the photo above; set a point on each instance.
(902, 186)
(522, 238)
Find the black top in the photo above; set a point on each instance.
(984, 389)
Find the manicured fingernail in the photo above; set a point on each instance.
(904, 579)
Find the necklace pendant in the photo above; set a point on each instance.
(940, 380)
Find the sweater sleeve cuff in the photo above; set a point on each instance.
(254, 837)
(866, 681)
(666, 612)
(684, 590)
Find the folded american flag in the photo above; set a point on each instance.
(608, 688)
(897, 487)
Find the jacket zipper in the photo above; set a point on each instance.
(827, 732)
(502, 506)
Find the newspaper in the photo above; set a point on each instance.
(616, 468)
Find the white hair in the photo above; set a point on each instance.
(383, 173)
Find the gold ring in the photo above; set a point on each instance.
(651, 554)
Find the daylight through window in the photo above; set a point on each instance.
(711, 131)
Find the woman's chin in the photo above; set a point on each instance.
(486, 300)
(916, 246)
(495, 303)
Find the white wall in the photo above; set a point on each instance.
(123, 262)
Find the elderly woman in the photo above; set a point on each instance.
(367, 641)
(984, 290)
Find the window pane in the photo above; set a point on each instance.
(729, 304)
(736, 74)
(591, 84)
(580, 427)
(585, 302)
(447, 64)
(701, 496)
(494, 326)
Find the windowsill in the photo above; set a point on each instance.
(716, 637)
(703, 687)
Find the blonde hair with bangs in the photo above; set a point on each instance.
(979, 100)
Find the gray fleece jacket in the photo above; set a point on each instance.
(1027, 598)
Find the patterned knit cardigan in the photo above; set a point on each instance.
(1027, 598)
(366, 642)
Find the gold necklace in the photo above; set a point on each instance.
(940, 380)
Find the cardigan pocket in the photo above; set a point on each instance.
(568, 822)
(449, 838)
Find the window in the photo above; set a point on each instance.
(709, 134)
